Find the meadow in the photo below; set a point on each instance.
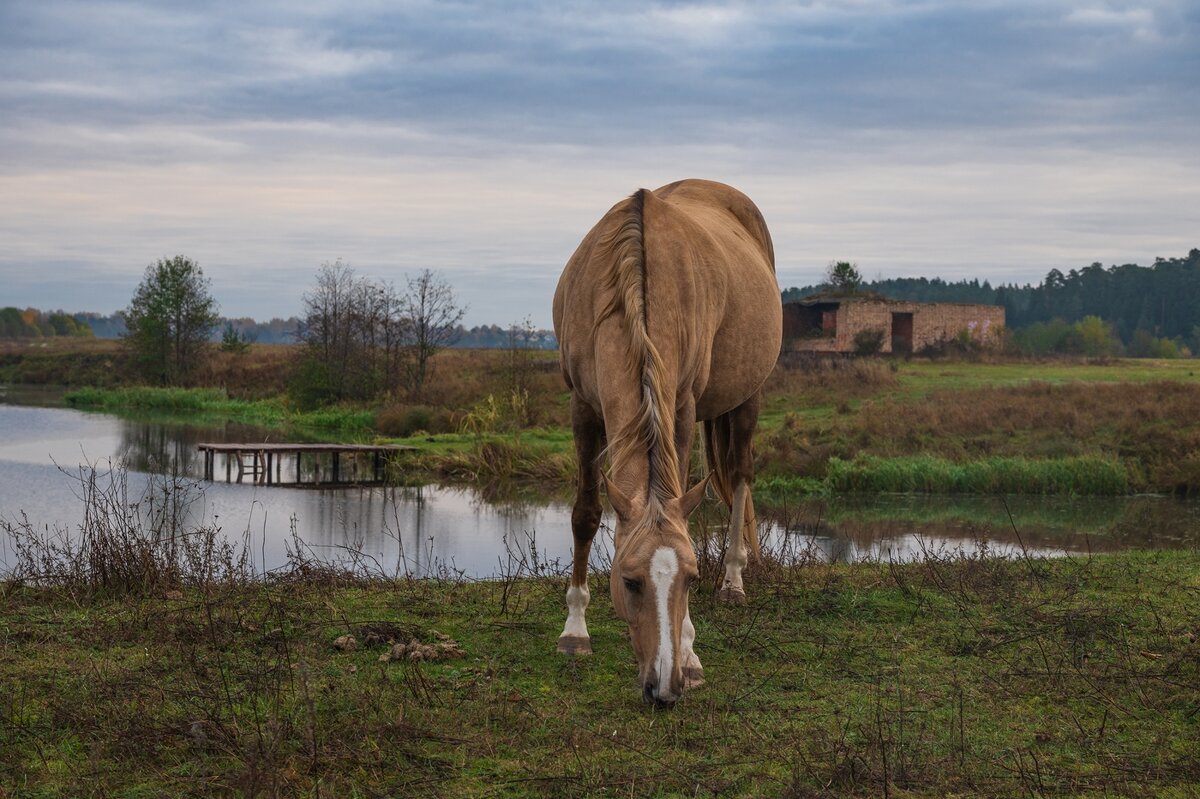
(950, 676)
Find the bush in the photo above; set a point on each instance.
(402, 421)
(869, 341)
(1146, 345)
(311, 387)
(962, 345)
(233, 341)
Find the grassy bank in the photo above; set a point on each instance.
(1071, 677)
(216, 404)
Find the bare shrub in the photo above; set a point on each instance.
(408, 420)
(127, 543)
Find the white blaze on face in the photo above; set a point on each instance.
(663, 568)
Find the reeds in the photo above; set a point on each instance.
(1085, 475)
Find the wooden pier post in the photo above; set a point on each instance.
(266, 462)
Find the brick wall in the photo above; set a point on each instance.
(931, 324)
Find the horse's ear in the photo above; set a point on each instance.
(621, 503)
(689, 501)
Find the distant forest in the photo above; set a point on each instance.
(1163, 299)
(33, 323)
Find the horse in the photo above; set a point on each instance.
(667, 314)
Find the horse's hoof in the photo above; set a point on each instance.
(732, 596)
(574, 645)
(693, 677)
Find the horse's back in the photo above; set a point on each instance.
(710, 291)
(716, 239)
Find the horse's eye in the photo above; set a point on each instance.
(634, 586)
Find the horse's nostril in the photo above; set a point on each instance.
(648, 692)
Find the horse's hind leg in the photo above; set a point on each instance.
(588, 430)
(739, 466)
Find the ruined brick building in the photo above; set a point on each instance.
(830, 323)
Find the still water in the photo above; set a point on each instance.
(46, 448)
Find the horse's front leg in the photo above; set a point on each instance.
(588, 430)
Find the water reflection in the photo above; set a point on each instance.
(908, 526)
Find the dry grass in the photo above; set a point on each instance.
(260, 372)
(1153, 428)
(825, 379)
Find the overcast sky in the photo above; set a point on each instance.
(957, 139)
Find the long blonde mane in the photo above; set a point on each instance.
(652, 429)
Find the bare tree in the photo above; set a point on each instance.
(362, 337)
(432, 315)
(337, 330)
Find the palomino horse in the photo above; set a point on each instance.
(667, 314)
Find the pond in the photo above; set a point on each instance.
(47, 452)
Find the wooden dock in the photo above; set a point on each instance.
(264, 462)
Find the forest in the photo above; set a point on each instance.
(1145, 308)
(1162, 300)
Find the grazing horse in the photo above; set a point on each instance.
(667, 314)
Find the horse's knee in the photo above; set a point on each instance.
(585, 519)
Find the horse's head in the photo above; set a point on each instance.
(654, 567)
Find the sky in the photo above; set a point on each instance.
(964, 139)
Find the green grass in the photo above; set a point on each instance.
(213, 403)
(929, 475)
(967, 677)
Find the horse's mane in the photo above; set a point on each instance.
(652, 428)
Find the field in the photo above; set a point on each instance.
(963, 677)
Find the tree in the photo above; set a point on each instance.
(170, 319)
(336, 363)
(356, 338)
(843, 276)
(432, 315)
(234, 341)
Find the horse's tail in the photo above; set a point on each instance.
(652, 429)
(717, 446)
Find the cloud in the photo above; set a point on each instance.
(918, 137)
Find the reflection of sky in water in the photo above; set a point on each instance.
(418, 530)
(432, 530)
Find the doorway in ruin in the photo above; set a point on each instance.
(902, 332)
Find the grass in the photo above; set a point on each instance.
(215, 404)
(995, 475)
(1068, 426)
(976, 676)
(1049, 434)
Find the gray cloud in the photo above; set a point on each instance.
(985, 138)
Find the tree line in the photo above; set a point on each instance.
(358, 338)
(1143, 305)
(281, 331)
(32, 323)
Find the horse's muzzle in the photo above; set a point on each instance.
(651, 697)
